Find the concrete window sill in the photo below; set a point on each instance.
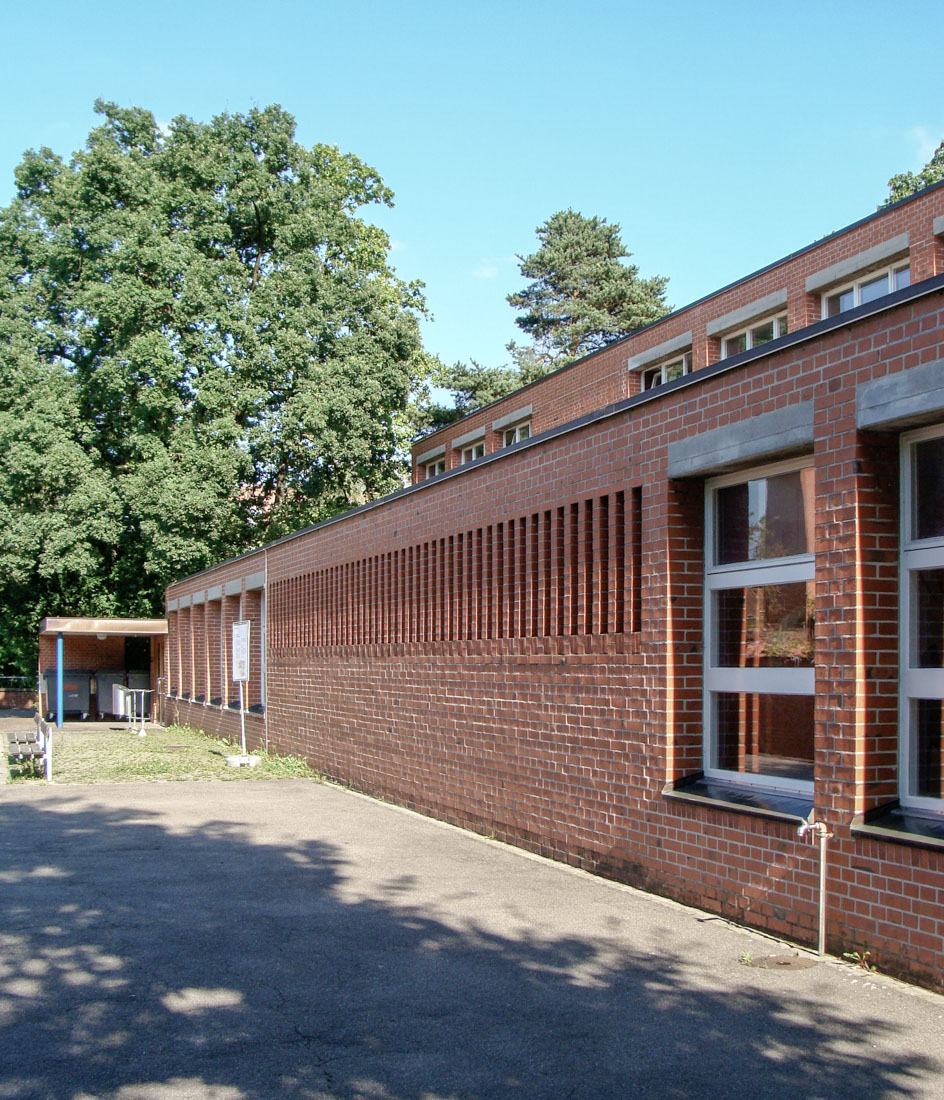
(711, 793)
(896, 824)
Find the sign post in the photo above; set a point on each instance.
(241, 676)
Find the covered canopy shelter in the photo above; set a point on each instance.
(97, 645)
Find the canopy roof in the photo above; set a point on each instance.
(129, 627)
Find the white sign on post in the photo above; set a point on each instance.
(241, 652)
(241, 673)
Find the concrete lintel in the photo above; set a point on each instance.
(199, 597)
(232, 588)
(736, 318)
(172, 605)
(513, 417)
(861, 261)
(939, 226)
(660, 351)
(433, 452)
(185, 601)
(469, 437)
(215, 593)
(759, 437)
(254, 580)
(910, 397)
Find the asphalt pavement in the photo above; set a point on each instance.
(290, 938)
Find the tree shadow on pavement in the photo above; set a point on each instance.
(163, 976)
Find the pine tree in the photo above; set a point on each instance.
(583, 295)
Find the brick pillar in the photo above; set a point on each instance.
(198, 629)
(229, 614)
(186, 652)
(172, 656)
(212, 632)
(252, 611)
(675, 528)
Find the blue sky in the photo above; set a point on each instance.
(719, 136)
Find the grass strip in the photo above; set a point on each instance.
(171, 754)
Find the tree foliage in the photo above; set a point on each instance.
(470, 386)
(582, 297)
(907, 183)
(202, 347)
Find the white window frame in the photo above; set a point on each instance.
(516, 433)
(891, 274)
(656, 374)
(914, 683)
(779, 321)
(436, 467)
(472, 452)
(755, 681)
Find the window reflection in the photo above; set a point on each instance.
(763, 334)
(929, 489)
(769, 626)
(769, 517)
(930, 748)
(839, 303)
(874, 288)
(929, 592)
(765, 734)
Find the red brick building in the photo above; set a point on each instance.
(649, 614)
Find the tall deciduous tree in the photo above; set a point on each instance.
(907, 183)
(202, 346)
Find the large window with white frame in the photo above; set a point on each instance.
(759, 627)
(755, 335)
(921, 757)
(866, 289)
(667, 371)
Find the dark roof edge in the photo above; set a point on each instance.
(880, 212)
(792, 339)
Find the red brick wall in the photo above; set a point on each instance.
(474, 651)
(83, 651)
(222, 722)
(562, 741)
(17, 700)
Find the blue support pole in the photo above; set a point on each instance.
(59, 681)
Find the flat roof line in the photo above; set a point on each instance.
(128, 628)
(880, 212)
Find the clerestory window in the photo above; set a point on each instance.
(667, 371)
(470, 454)
(516, 433)
(866, 289)
(755, 335)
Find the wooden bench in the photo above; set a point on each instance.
(33, 747)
